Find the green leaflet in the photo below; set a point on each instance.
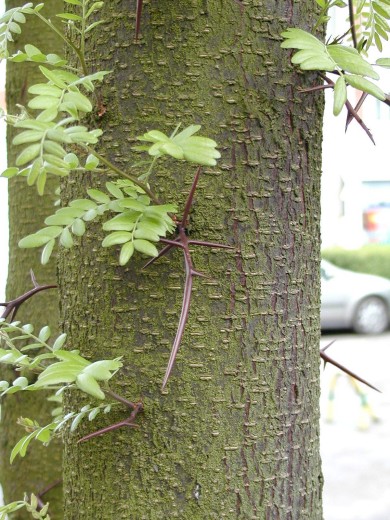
(42, 434)
(34, 241)
(365, 85)
(70, 16)
(59, 342)
(127, 251)
(350, 60)
(89, 385)
(371, 22)
(315, 55)
(28, 136)
(383, 62)
(21, 447)
(138, 225)
(141, 222)
(91, 163)
(347, 62)
(78, 227)
(98, 195)
(194, 149)
(10, 172)
(117, 237)
(101, 370)
(65, 223)
(340, 95)
(145, 247)
(300, 39)
(28, 154)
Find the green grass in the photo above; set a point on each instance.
(372, 259)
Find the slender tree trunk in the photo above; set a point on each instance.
(236, 433)
(41, 466)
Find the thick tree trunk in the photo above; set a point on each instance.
(236, 433)
(41, 466)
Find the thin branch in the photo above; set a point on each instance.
(352, 23)
(12, 306)
(328, 359)
(46, 490)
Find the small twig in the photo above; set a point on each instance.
(183, 242)
(328, 359)
(12, 307)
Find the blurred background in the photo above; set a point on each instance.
(355, 227)
(355, 423)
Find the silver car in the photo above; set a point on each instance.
(353, 300)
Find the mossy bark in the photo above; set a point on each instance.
(42, 466)
(236, 433)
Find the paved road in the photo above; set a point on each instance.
(356, 449)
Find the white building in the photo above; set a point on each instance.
(356, 174)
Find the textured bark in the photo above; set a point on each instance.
(236, 433)
(27, 211)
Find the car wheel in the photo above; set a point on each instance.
(371, 316)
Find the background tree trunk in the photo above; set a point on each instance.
(236, 433)
(27, 211)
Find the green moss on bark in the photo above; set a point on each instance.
(236, 433)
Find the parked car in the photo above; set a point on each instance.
(353, 300)
(376, 223)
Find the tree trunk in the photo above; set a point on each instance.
(236, 433)
(41, 466)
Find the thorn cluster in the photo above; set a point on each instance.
(135, 408)
(183, 242)
(352, 111)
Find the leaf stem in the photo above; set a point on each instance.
(122, 173)
(78, 51)
(145, 176)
